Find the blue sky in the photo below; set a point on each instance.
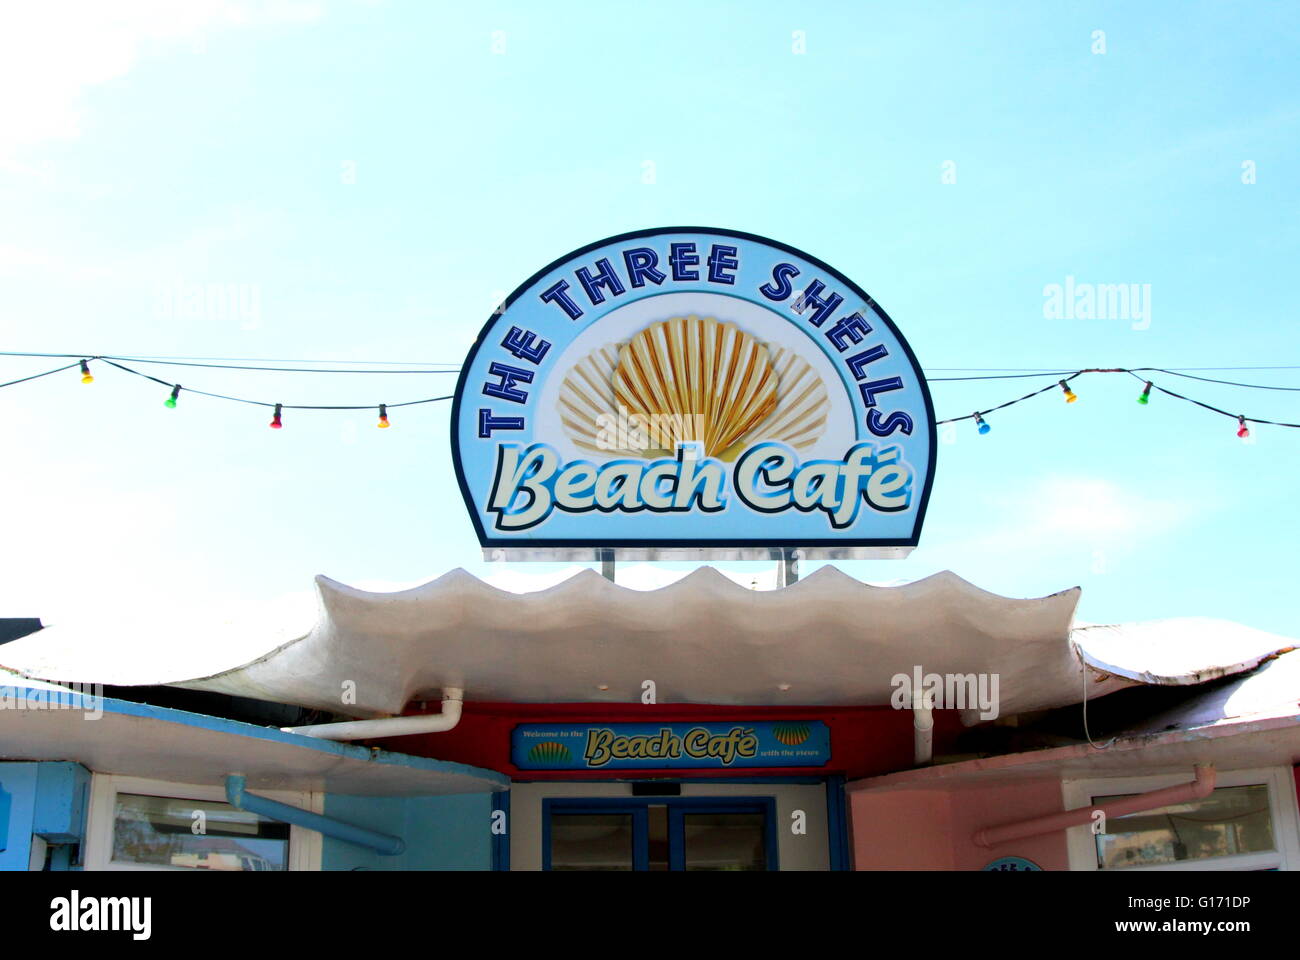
(371, 177)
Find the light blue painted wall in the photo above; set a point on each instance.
(62, 798)
(18, 782)
(441, 833)
(48, 799)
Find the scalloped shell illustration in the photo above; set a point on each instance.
(696, 380)
(691, 380)
(549, 751)
(587, 398)
(792, 734)
(800, 415)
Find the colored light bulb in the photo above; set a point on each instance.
(1242, 430)
(1070, 395)
(170, 402)
(983, 427)
(275, 421)
(85, 373)
(1146, 394)
(383, 416)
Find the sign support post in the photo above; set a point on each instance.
(787, 567)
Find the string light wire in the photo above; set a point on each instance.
(444, 366)
(977, 416)
(37, 376)
(268, 403)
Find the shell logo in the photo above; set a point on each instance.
(692, 380)
(791, 734)
(549, 752)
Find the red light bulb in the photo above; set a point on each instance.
(1242, 430)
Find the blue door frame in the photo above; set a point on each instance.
(678, 808)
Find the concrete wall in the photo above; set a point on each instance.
(441, 833)
(931, 829)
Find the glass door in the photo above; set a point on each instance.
(679, 833)
(720, 838)
(582, 838)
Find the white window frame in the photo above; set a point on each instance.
(1282, 806)
(304, 845)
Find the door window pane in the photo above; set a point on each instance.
(1230, 821)
(657, 839)
(591, 841)
(725, 841)
(162, 831)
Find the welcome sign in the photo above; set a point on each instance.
(663, 746)
(692, 393)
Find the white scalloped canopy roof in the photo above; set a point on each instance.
(825, 640)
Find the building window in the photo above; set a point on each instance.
(1248, 822)
(138, 824)
(202, 834)
(1229, 822)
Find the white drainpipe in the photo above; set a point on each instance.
(922, 728)
(389, 726)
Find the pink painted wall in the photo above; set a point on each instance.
(931, 829)
(901, 830)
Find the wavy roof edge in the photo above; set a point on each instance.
(400, 642)
(708, 576)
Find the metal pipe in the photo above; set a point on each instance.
(1198, 789)
(381, 843)
(922, 728)
(389, 726)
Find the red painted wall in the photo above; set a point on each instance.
(865, 741)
